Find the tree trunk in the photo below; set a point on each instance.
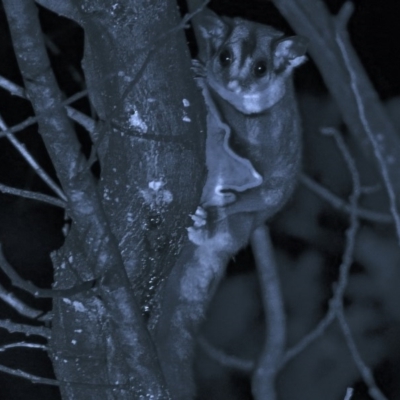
(151, 123)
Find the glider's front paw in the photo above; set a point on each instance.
(198, 233)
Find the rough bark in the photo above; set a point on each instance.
(151, 124)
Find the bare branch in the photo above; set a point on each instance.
(227, 360)
(54, 382)
(9, 346)
(365, 371)
(263, 380)
(32, 195)
(346, 259)
(349, 394)
(54, 49)
(317, 332)
(34, 290)
(28, 330)
(346, 79)
(343, 17)
(341, 205)
(343, 42)
(45, 113)
(351, 232)
(82, 119)
(31, 161)
(12, 87)
(30, 377)
(20, 307)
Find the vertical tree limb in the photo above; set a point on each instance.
(263, 380)
(84, 204)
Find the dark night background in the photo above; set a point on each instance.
(309, 233)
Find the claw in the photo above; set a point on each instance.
(198, 233)
(198, 68)
(197, 236)
(199, 217)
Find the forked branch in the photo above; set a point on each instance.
(348, 83)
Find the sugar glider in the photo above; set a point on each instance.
(253, 156)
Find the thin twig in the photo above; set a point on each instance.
(12, 88)
(32, 195)
(349, 394)
(54, 382)
(224, 359)
(342, 41)
(342, 205)
(21, 307)
(74, 73)
(30, 377)
(317, 332)
(348, 83)
(38, 292)
(351, 233)
(43, 114)
(28, 330)
(31, 161)
(82, 119)
(263, 380)
(364, 370)
(9, 346)
(346, 259)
